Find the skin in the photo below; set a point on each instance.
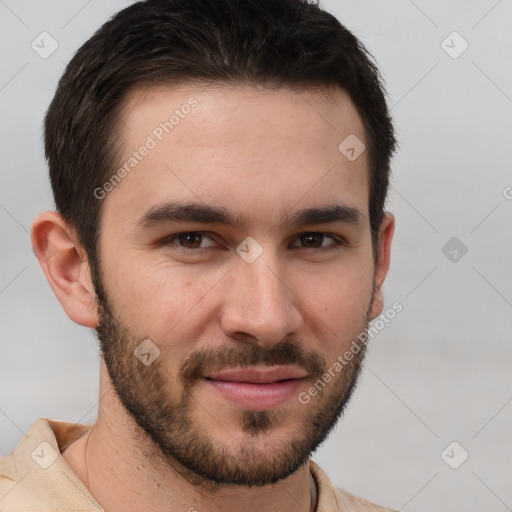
(260, 154)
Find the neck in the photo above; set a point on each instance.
(123, 475)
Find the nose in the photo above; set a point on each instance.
(260, 306)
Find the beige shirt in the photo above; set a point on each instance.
(35, 477)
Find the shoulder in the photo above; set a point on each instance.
(334, 499)
(350, 502)
(8, 473)
(35, 476)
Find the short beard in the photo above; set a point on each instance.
(179, 442)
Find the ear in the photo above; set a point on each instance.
(65, 266)
(386, 230)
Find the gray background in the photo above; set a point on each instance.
(440, 371)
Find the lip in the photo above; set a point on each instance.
(257, 388)
(258, 374)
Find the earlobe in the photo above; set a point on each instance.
(65, 266)
(386, 232)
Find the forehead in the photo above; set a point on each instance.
(254, 150)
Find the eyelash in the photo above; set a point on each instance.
(170, 240)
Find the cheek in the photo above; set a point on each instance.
(341, 309)
(335, 288)
(161, 301)
(335, 303)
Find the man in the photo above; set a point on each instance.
(220, 170)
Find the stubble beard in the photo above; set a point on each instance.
(171, 435)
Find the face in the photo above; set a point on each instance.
(236, 270)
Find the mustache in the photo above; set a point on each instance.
(283, 353)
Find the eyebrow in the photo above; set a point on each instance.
(169, 212)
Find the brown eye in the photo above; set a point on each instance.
(316, 241)
(312, 239)
(189, 240)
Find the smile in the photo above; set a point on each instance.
(257, 389)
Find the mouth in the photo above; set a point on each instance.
(257, 388)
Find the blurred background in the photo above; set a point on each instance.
(429, 426)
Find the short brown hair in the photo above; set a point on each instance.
(269, 42)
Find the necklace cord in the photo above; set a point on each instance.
(313, 487)
(86, 446)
